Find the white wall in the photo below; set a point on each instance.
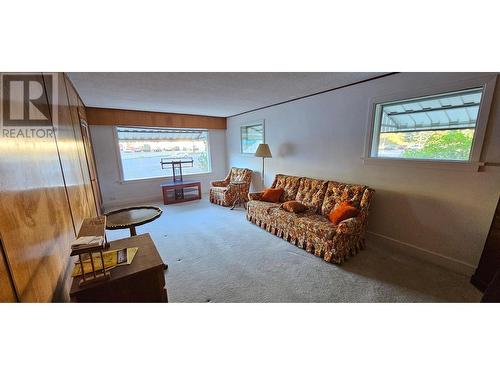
(116, 193)
(440, 215)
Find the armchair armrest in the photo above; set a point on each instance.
(255, 196)
(353, 226)
(222, 183)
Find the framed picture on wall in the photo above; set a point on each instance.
(252, 135)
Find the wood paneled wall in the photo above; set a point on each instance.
(45, 193)
(84, 147)
(7, 291)
(76, 102)
(108, 116)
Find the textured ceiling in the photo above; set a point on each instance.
(212, 94)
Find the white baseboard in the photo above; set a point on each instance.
(394, 245)
(116, 204)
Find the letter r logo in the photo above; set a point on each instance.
(27, 100)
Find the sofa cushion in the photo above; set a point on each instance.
(317, 224)
(290, 185)
(294, 206)
(261, 210)
(282, 219)
(272, 195)
(337, 192)
(341, 212)
(311, 193)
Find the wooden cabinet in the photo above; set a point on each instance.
(489, 264)
(141, 281)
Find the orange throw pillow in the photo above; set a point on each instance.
(294, 207)
(341, 212)
(272, 195)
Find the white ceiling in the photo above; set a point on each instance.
(212, 94)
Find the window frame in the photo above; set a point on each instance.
(122, 180)
(249, 125)
(487, 82)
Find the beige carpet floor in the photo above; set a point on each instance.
(216, 255)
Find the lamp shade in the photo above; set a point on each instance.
(263, 151)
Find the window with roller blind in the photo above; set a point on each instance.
(141, 150)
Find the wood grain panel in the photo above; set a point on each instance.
(87, 148)
(94, 178)
(68, 145)
(80, 145)
(89, 151)
(35, 218)
(7, 292)
(107, 116)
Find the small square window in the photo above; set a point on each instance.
(251, 137)
(437, 127)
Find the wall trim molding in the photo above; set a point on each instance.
(397, 246)
(316, 93)
(127, 117)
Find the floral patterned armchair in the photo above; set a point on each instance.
(225, 193)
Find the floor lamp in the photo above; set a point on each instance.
(263, 152)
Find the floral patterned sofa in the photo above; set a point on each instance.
(311, 230)
(224, 193)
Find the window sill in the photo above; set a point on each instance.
(430, 164)
(152, 179)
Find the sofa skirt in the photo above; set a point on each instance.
(336, 250)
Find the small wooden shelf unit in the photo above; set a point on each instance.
(93, 226)
(180, 191)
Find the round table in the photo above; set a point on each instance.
(131, 217)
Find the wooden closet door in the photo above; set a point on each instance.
(35, 219)
(68, 144)
(92, 165)
(84, 149)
